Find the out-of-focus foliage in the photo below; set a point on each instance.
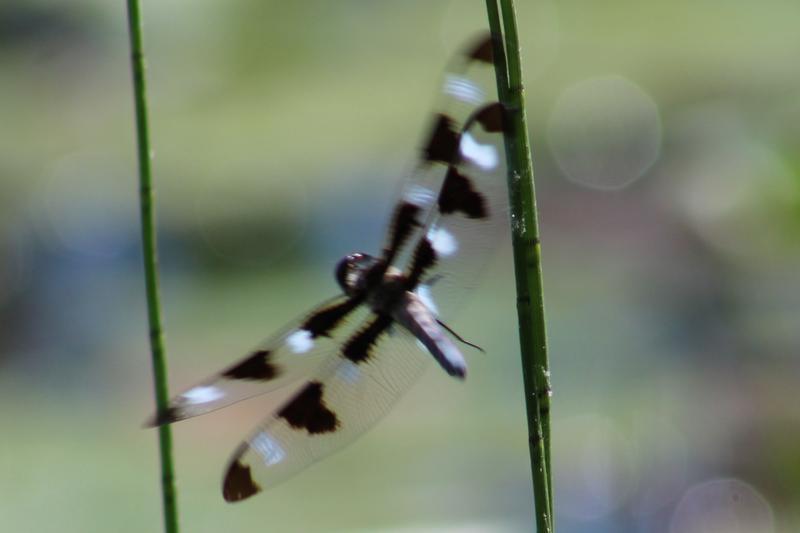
(666, 141)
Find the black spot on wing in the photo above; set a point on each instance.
(444, 140)
(321, 322)
(491, 117)
(403, 224)
(459, 195)
(307, 411)
(482, 50)
(424, 258)
(257, 367)
(238, 483)
(358, 347)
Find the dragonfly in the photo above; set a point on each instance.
(355, 354)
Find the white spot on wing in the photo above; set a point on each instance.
(419, 195)
(202, 394)
(424, 293)
(348, 372)
(483, 155)
(442, 241)
(300, 341)
(269, 450)
(463, 89)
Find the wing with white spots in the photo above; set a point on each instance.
(456, 199)
(345, 398)
(289, 356)
(354, 363)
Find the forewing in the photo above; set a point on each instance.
(469, 222)
(456, 200)
(346, 397)
(293, 354)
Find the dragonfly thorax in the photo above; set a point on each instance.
(361, 274)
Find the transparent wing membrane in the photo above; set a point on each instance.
(355, 363)
(459, 185)
(289, 356)
(338, 403)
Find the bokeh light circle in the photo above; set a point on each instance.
(605, 132)
(723, 506)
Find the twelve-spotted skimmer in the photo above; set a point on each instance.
(358, 352)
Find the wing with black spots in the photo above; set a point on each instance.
(345, 398)
(354, 364)
(456, 201)
(293, 354)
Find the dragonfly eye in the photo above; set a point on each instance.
(350, 271)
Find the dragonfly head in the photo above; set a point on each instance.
(351, 272)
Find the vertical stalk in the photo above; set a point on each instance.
(527, 254)
(149, 249)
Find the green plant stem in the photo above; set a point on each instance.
(149, 248)
(527, 254)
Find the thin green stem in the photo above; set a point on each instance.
(527, 254)
(149, 249)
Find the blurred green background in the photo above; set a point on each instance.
(666, 139)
